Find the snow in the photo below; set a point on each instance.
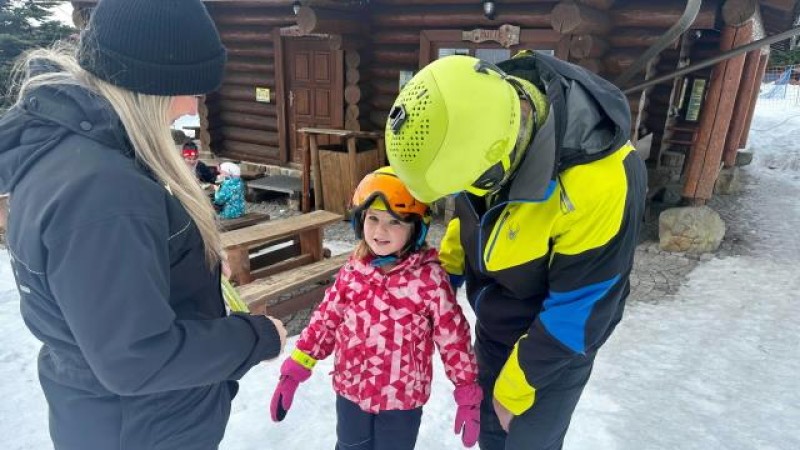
(711, 367)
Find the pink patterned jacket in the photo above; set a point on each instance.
(383, 327)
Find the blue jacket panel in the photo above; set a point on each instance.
(230, 196)
(138, 351)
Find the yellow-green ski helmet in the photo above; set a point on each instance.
(453, 127)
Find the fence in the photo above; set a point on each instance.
(781, 86)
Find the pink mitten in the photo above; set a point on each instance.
(292, 374)
(468, 416)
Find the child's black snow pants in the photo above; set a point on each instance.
(387, 430)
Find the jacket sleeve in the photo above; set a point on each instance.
(451, 254)
(593, 249)
(451, 332)
(319, 337)
(111, 279)
(224, 193)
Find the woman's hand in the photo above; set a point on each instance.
(281, 331)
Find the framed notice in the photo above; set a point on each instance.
(262, 95)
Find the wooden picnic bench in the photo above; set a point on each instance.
(275, 246)
(262, 296)
(246, 220)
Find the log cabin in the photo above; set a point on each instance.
(339, 64)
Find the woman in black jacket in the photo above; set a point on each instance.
(113, 244)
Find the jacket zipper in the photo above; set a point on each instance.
(498, 226)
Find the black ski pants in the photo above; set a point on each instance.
(543, 426)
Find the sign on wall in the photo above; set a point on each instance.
(262, 95)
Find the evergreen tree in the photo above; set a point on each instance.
(25, 24)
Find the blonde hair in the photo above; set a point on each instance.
(145, 118)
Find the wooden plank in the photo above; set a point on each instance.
(244, 221)
(278, 228)
(283, 266)
(296, 303)
(311, 243)
(341, 133)
(260, 291)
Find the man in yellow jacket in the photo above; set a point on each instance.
(549, 204)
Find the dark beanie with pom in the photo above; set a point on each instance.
(156, 47)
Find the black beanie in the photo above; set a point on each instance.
(156, 47)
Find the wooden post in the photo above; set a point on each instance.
(742, 107)
(239, 262)
(311, 243)
(305, 199)
(351, 158)
(319, 203)
(762, 68)
(706, 155)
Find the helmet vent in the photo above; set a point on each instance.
(410, 139)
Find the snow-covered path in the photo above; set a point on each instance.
(714, 366)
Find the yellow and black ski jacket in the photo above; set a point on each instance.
(547, 265)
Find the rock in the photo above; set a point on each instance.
(744, 158)
(693, 230)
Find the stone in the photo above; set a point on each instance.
(744, 158)
(728, 182)
(692, 230)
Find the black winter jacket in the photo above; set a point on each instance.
(138, 352)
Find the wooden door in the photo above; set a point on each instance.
(314, 77)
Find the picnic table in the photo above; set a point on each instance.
(277, 245)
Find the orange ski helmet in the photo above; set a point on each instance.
(383, 190)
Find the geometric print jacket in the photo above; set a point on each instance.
(382, 328)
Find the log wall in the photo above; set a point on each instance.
(234, 124)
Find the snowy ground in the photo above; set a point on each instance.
(713, 366)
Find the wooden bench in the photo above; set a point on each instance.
(261, 296)
(246, 220)
(276, 245)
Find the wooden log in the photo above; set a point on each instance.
(584, 46)
(378, 118)
(618, 61)
(384, 72)
(245, 107)
(352, 124)
(248, 18)
(264, 52)
(352, 59)
(405, 57)
(248, 152)
(598, 4)
(705, 157)
(352, 76)
(385, 87)
(250, 67)
(331, 21)
(592, 65)
(634, 37)
(762, 67)
(382, 102)
(403, 37)
(571, 18)
(736, 12)
(248, 121)
(351, 112)
(741, 109)
(353, 94)
(231, 36)
(460, 16)
(248, 79)
(232, 92)
(267, 138)
(661, 14)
